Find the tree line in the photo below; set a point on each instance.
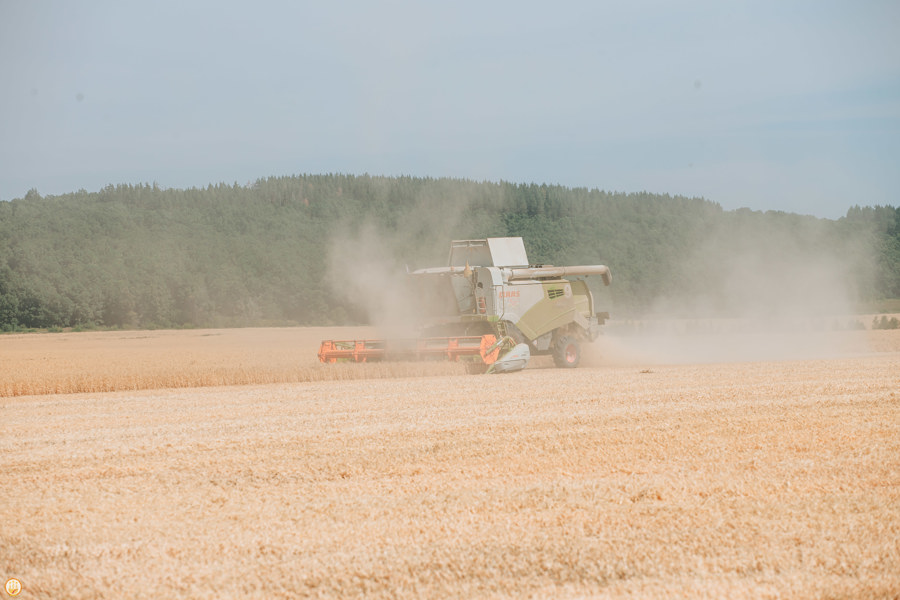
(279, 250)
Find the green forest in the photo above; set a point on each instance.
(290, 250)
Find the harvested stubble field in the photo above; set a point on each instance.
(635, 476)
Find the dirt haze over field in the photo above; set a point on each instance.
(727, 340)
(786, 274)
(787, 295)
(371, 270)
(374, 280)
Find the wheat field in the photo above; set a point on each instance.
(66, 363)
(650, 472)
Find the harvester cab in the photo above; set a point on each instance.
(490, 305)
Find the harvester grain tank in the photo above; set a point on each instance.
(489, 305)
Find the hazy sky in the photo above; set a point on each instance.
(783, 105)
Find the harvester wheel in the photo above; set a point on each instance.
(566, 352)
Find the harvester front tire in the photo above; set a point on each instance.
(566, 352)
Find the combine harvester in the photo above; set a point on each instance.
(491, 308)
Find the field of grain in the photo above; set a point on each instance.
(653, 471)
(66, 363)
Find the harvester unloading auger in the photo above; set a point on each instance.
(490, 307)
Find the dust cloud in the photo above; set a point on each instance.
(744, 296)
(368, 262)
(678, 342)
(366, 273)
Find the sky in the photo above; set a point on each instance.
(768, 104)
